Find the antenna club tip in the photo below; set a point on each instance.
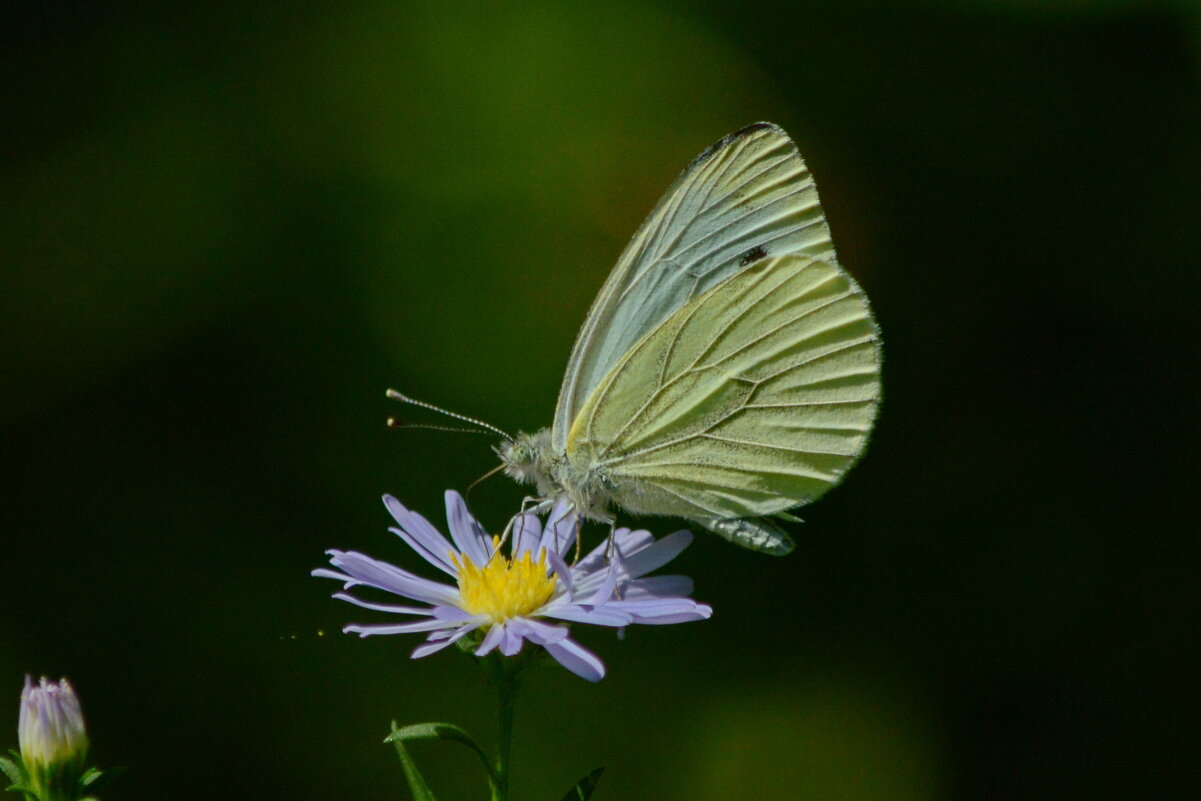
(391, 422)
(394, 395)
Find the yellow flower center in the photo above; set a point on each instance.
(504, 588)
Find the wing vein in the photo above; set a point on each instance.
(772, 446)
(793, 321)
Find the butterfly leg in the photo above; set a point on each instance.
(613, 551)
(536, 506)
(611, 544)
(529, 504)
(579, 537)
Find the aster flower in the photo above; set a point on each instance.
(50, 729)
(53, 745)
(511, 597)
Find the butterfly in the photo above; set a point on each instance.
(729, 369)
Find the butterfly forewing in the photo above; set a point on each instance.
(754, 397)
(747, 198)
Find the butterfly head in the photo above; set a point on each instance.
(527, 458)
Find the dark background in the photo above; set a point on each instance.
(227, 228)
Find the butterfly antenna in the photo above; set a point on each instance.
(394, 423)
(394, 395)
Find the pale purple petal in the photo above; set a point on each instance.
(656, 587)
(661, 611)
(596, 568)
(527, 532)
(454, 613)
(605, 591)
(466, 532)
(443, 563)
(362, 569)
(510, 642)
(588, 580)
(368, 630)
(427, 648)
(440, 639)
(491, 639)
(576, 659)
(394, 608)
(596, 560)
(541, 633)
(421, 536)
(440, 635)
(325, 572)
(562, 570)
(654, 556)
(560, 532)
(606, 615)
(625, 542)
(632, 541)
(686, 617)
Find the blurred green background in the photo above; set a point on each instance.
(227, 228)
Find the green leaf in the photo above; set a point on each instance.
(584, 787)
(95, 779)
(442, 731)
(417, 784)
(14, 770)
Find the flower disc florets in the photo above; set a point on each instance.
(504, 588)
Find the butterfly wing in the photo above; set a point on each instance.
(747, 197)
(754, 397)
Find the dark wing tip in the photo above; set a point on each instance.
(730, 139)
(758, 126)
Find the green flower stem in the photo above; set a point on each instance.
(506, 676)
(507, 692)
(508, 700)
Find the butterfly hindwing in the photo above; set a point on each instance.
(755, 397)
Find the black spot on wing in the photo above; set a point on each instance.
(753, 255)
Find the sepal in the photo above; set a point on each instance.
(94, 780)
(14, 770)
(584, 787)
(470, 641)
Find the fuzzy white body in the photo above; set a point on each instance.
(532, 459)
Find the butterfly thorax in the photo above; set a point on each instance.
(532, 459)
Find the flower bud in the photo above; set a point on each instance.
(54, 745)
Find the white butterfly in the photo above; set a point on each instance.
(729, 369)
